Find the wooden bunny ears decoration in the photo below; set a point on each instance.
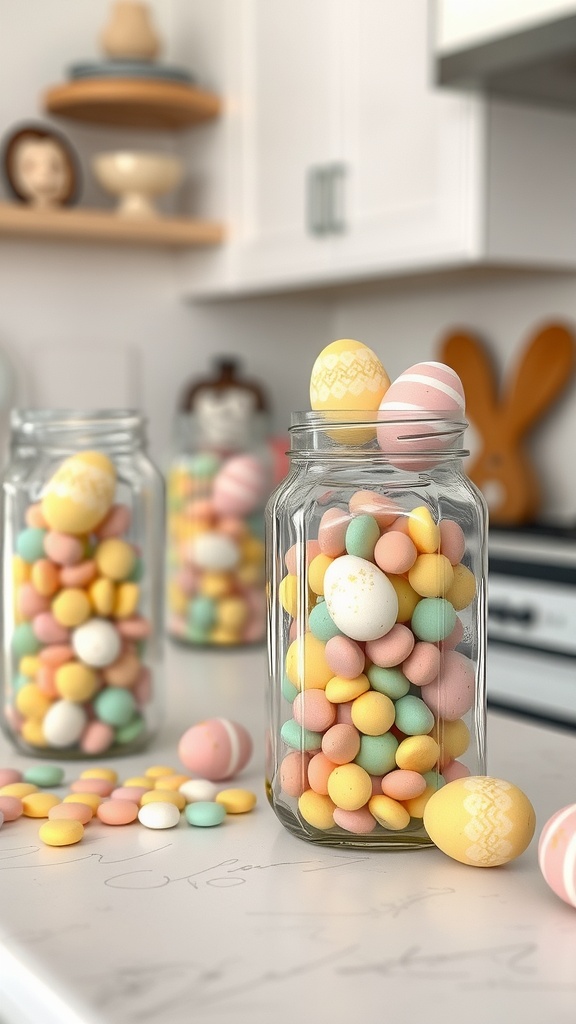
(502, 468)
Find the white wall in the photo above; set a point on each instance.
(100, 325)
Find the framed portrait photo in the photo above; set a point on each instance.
(40, 167)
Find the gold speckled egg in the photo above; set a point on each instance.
(480, 821)
(80, 493)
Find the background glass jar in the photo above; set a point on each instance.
(82, 565)
(218, 481)
(376, 551)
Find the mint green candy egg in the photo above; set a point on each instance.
(202, 614)
(204, 813)
(413, 716)
(390, 681)
(44, 775)
(24, 640)
(361, 536)
(295, 736)
(322, 625)
(130, 732)
(433, 619)
(289, 691)
(115, 706)
(377, 754)
(30, 543)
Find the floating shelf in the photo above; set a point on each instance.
(132, 103)
(105, 226)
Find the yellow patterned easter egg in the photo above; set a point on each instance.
(480, 821)
(348, 375)
(80, 493)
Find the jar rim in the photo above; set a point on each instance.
(320, 418)
(64, 428)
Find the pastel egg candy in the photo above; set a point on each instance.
(214, 552)
(237, 801)
(480, 821)
(429, 388)
(344, 656)
(205, 813)
(557, 853)
(64, 723)
(61, 832)
(159, 815)
(80, 493)
(452, 695)
(347, 375)
(392, 648)
(360, 598)
(332, 532)
(216, 748)
(117, 812)
(97, 643)
(240, 486)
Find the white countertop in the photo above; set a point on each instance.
(245, 923)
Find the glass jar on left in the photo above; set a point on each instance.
(82, 563)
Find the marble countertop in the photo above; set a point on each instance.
(246, 923)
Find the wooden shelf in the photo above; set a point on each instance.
(91, 225)
(132, 103)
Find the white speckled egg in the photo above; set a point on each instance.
(215, 552)
(480, 820)
(360, 598)
(557, 853)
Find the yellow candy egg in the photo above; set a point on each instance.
(308, 654)
(80, 493)
(126, 600)
(480, 820)
(348, 375)
(431, 575)
(316, 809)
(115, 558)
(71, 607)
(463, 588)
(423, 530)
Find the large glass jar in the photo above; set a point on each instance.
(82, 564)
(218, 482)
(376, 550)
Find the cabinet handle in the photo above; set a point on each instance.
(336, 216)
(318, 200)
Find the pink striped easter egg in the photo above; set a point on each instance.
(424, 388)
(557, 853)
(240, 486)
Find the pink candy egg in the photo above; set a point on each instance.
(116, 523)
(294, 773)
(71, 811)
(319, 771)
(424, 388)
(341, 743)
(215, 749)
(455, 770)
(117, 812)
(63, 548)
(360, 822)
(96, 738)
(240, 486)
(371, 503)
(423, 664)
(9, 775)
(30, 602)
(312, 710)
(557, 853)
(392, 648)
(345, 657)
(452, 540)
(11, 807)
(48, 631)
(403, 784)
(291, 556)
(453, 695)
(332, 532)
(80, 575)
(395, 552)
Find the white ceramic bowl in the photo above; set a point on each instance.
(137, 179)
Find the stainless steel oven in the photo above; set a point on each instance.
(531, 662)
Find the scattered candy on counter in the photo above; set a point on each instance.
(161, 798)
(80, 679)
(480, 821)
(216, 549)
(557, 853)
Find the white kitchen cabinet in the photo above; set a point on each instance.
(409, 177)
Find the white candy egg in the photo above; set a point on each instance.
(213, 551)
(159, 815)
(64, 724)
(97, 643)
(360, 598)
